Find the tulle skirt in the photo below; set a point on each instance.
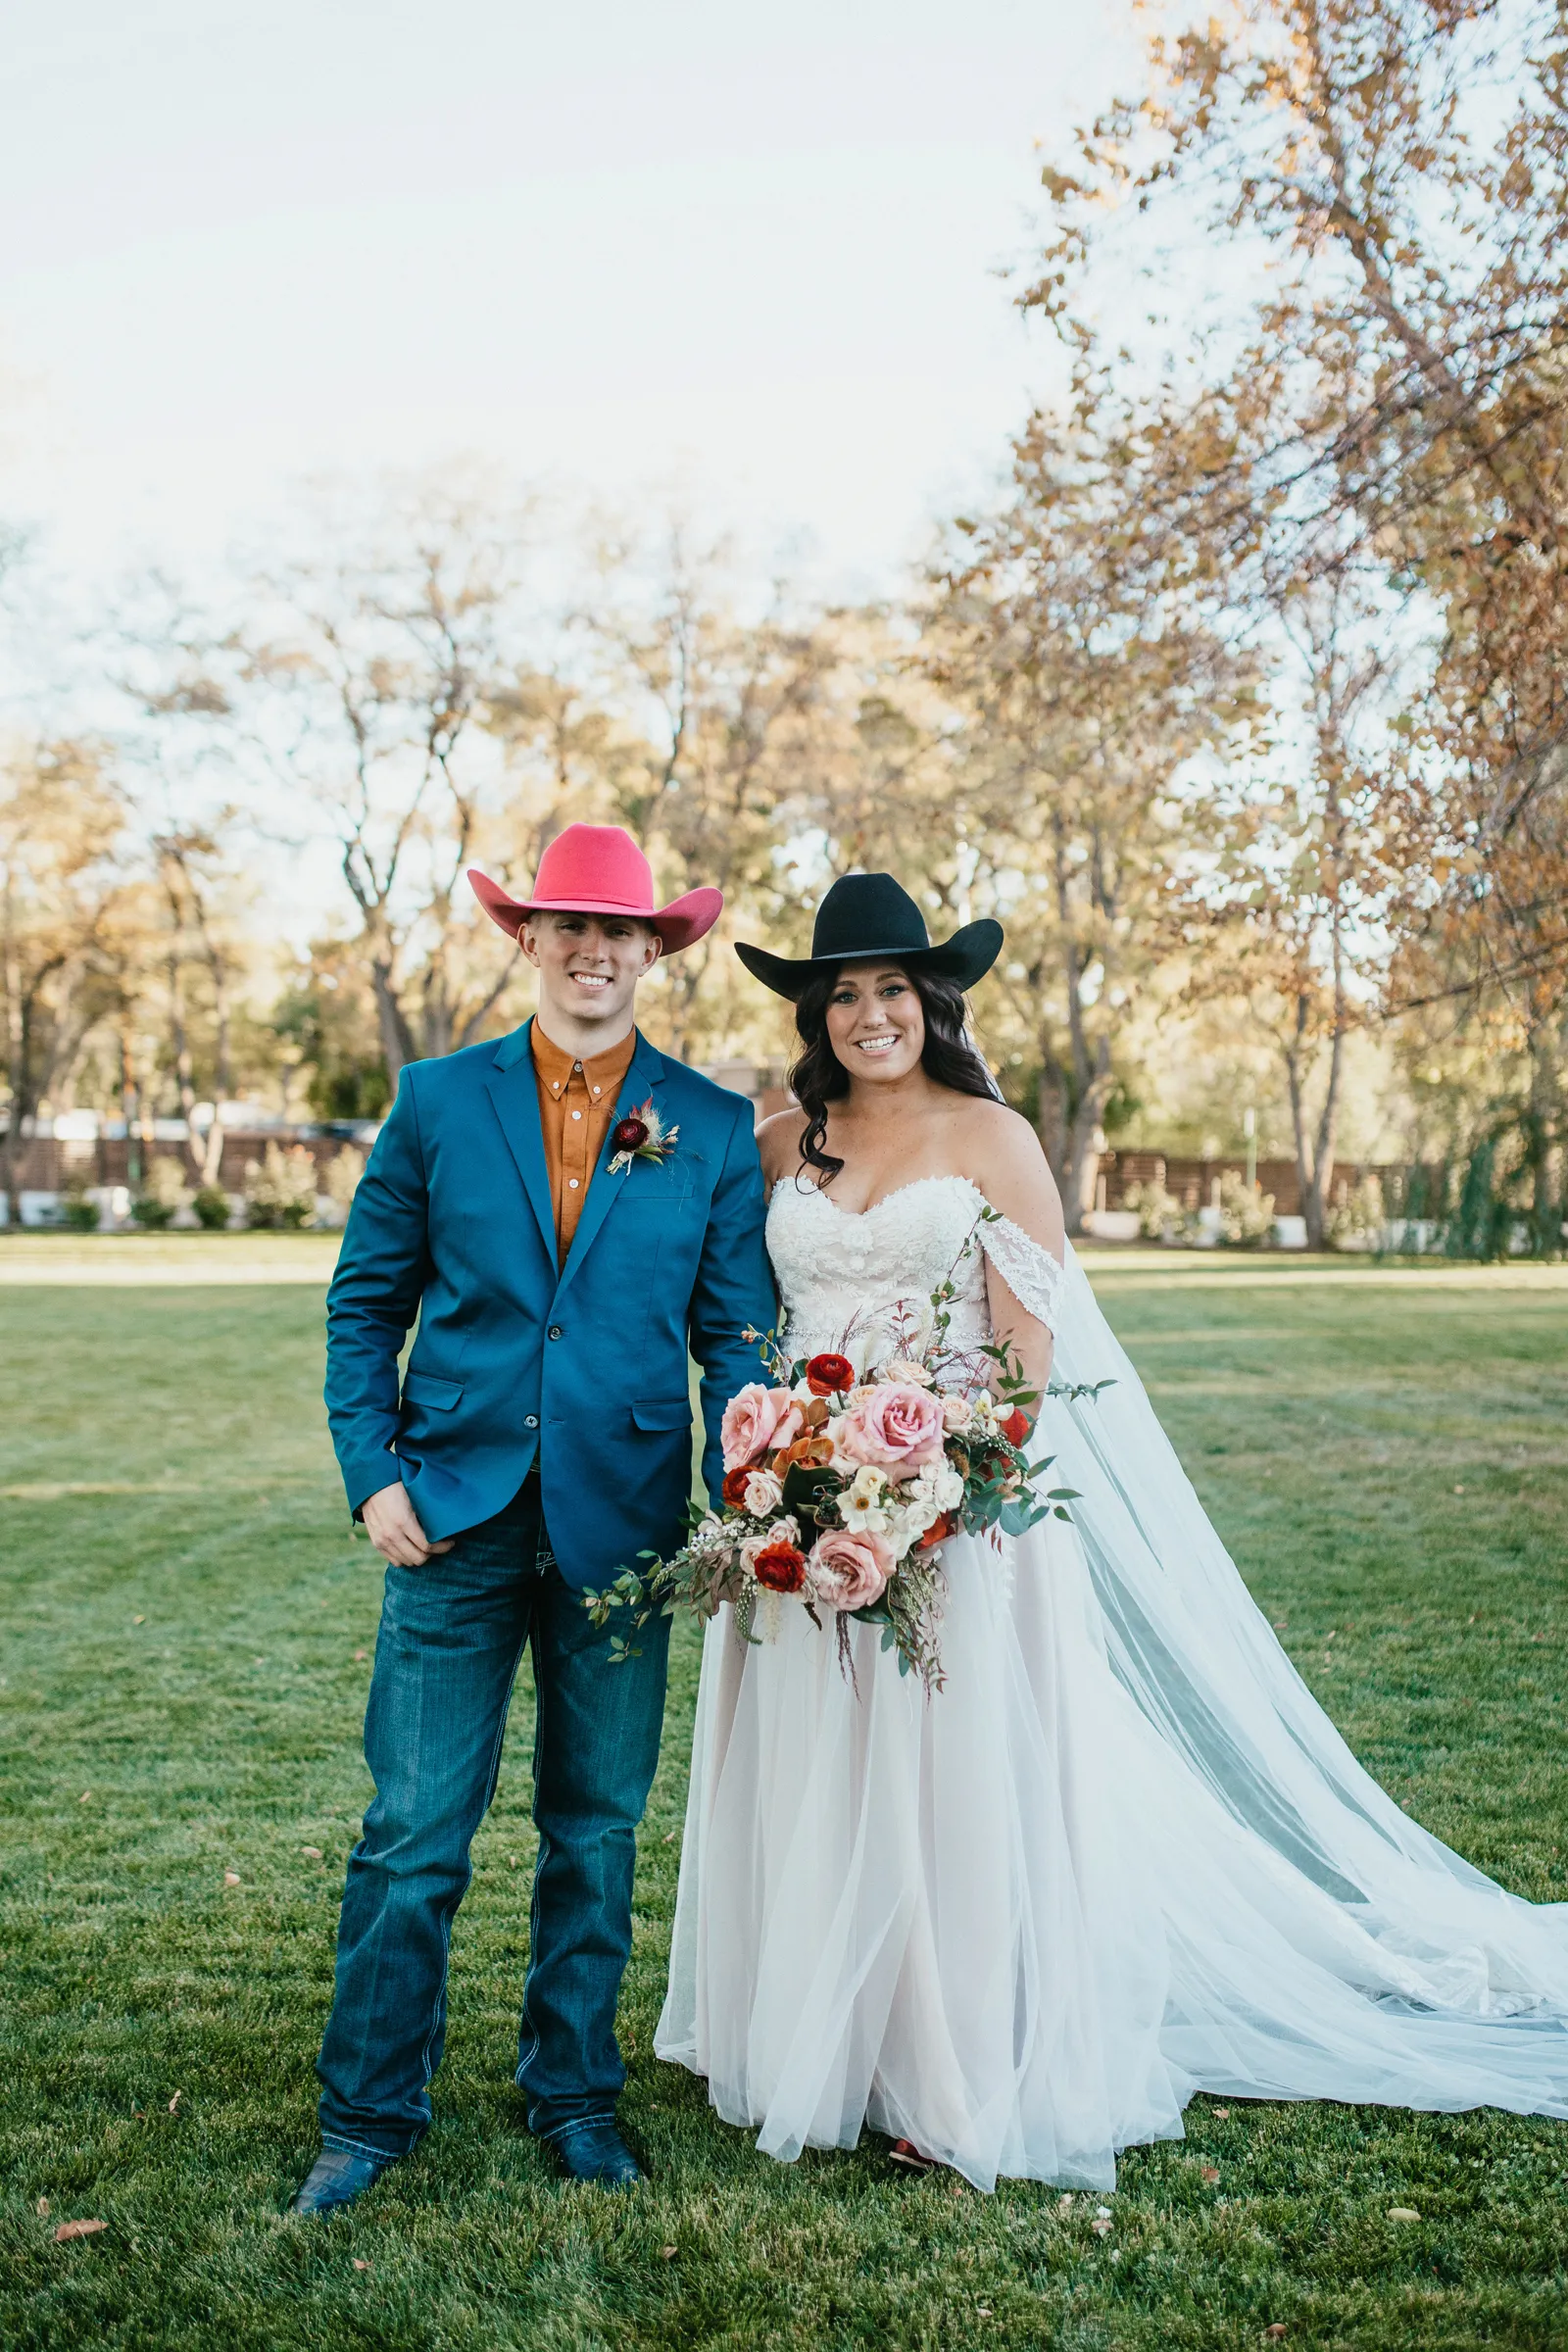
(1013, 1924)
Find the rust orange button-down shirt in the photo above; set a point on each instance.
(576, 1101)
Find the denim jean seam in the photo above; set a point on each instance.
(450, 1910)
(540, 1856)
(577, 2123)
(342, 2145)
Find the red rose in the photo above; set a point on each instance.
(630, 1134)
(734, 1486)
(1015, 1428)
(829, 1375)
(780, 1567)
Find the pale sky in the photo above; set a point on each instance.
(750, 251)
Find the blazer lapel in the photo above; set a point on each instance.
(646, 1071)
(514, 1091)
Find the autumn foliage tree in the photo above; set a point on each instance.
(1069, 631)
(1375, 369)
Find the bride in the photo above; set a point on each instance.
(1122, 1855)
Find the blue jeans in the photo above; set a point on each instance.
(451, 1638)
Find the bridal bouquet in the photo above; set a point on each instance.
(840, 1491)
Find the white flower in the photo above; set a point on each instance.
(984, 1408)
(910, 1521)
(869, 1483)
(904, 1367)
(763, 1494)
(947, 1486)
(863, 1510)
(956, 1411)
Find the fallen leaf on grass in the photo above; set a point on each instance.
(43, 2207)
(139, 1621)
(357, 1655)
(82, 1799)
(1065, 2202)
(668, 2252)
(77, 2229)
(1222, 2115)
(982, 2310)
(1211, 2173)
(173, 2104)
(232, 1877)
(1272, 2335)
(311, 1853)
(1102, 2228)
(358, 2265)
(1404, 2213)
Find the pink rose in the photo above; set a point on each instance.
(848, 1567)
(755, 1420)
(956, 1412)
(897, 1428)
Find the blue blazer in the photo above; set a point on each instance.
(584, 1368)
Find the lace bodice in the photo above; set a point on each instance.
(861, 1284)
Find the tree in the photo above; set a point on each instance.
(1381, 368)
(1069, 633)
(62, 890)
(371, 681)
(1288, 917)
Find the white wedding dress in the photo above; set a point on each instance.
(1121, 1856)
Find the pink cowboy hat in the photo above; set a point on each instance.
(598, 870)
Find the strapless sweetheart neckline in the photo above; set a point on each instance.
(913, 1186)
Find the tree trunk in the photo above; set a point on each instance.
(391, 1021)
(1081, 1163)
(1314, 1154)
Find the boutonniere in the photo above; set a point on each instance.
(642, 1135)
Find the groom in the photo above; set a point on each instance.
(563, 1215)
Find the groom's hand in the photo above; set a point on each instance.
(396, 1532)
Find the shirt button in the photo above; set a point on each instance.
(530, 1420)
(576, 1065)
(576, 1114)
(554, 1333)
(571, 1184)
(596, 1090)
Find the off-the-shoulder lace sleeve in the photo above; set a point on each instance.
(1031, 1273)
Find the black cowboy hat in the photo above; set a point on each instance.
(871, 914)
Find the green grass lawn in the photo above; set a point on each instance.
(186, 1655)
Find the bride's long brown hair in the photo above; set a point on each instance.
(817, 1077)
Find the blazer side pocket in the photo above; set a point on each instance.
(423, 1388)
(662, 1412)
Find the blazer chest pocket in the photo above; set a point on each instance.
(655, 1184)
(662, 1412)
(423, 1388)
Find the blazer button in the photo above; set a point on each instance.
(554, 1333)
(530, 1420)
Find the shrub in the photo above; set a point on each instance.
(1159, 1213)
(343, 1178)
(1246, 1214)
(1358, 1221)
(164, 1193)
(280, 1190)
(78, 1214)
(212, 1208)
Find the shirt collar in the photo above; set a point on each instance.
(601, 1073)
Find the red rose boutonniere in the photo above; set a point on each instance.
(642, 1135)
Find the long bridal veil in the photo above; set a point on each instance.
(1320, 1944)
